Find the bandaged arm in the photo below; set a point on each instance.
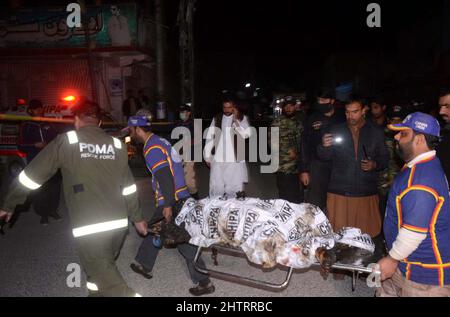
(406, 243)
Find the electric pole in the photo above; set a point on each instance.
(160, 51)
(90, 56)
(186, 44)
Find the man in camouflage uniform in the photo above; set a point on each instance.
(290, 129)
(386, 178)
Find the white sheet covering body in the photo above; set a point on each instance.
(268, 231)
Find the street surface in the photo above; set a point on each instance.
(34, 258)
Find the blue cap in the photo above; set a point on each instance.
(139, 121)
(419, 122)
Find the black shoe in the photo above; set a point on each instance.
(200, 289)
(55, 216)
(44, 221)
(141, 270)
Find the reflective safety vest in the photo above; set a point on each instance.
(99, 188)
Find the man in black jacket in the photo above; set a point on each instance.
(187, 122)
(444, 147)
(314, 173)
(36, 136)
(357, 153)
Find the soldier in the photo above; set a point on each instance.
(99, 191)
(417, 222)
(386, 177)
(290, 129)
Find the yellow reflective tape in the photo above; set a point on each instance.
(129, 190)
(117, 143)
(100, 227)
(28, 182)
(92, 287)
(72, 135)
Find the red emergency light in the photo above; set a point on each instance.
(69, 98)
(21, 102)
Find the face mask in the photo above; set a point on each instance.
(184, 116)
(290, 115)
(325, 107)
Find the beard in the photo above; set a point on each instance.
(353, 122)
(446, 119)
(405, 151)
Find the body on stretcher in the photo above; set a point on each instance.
(372, 269)
(274, 232)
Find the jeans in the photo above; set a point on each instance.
(148, 253)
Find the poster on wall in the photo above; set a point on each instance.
(115, 87)
(46, 27)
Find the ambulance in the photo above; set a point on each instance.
(13, 158)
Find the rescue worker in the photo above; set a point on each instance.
(290, 131)
(36, 135)
(226, 137)
(417, 223)
(170, 189)
(99, 191)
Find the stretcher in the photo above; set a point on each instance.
(372, 269)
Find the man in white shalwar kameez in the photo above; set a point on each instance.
(226, 136)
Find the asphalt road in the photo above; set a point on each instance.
(34, 258)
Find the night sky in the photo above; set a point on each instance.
(283, 43)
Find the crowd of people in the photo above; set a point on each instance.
(366, 164)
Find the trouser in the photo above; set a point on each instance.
(289, 188)
(399, 286)
(190, 177)
(45, 200)
(319, 176)
(227, 178)
(148, 253)
(98, 254)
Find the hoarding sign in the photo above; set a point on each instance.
(46, 27)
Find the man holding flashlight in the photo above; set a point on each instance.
(417, 223)
(357, 153)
